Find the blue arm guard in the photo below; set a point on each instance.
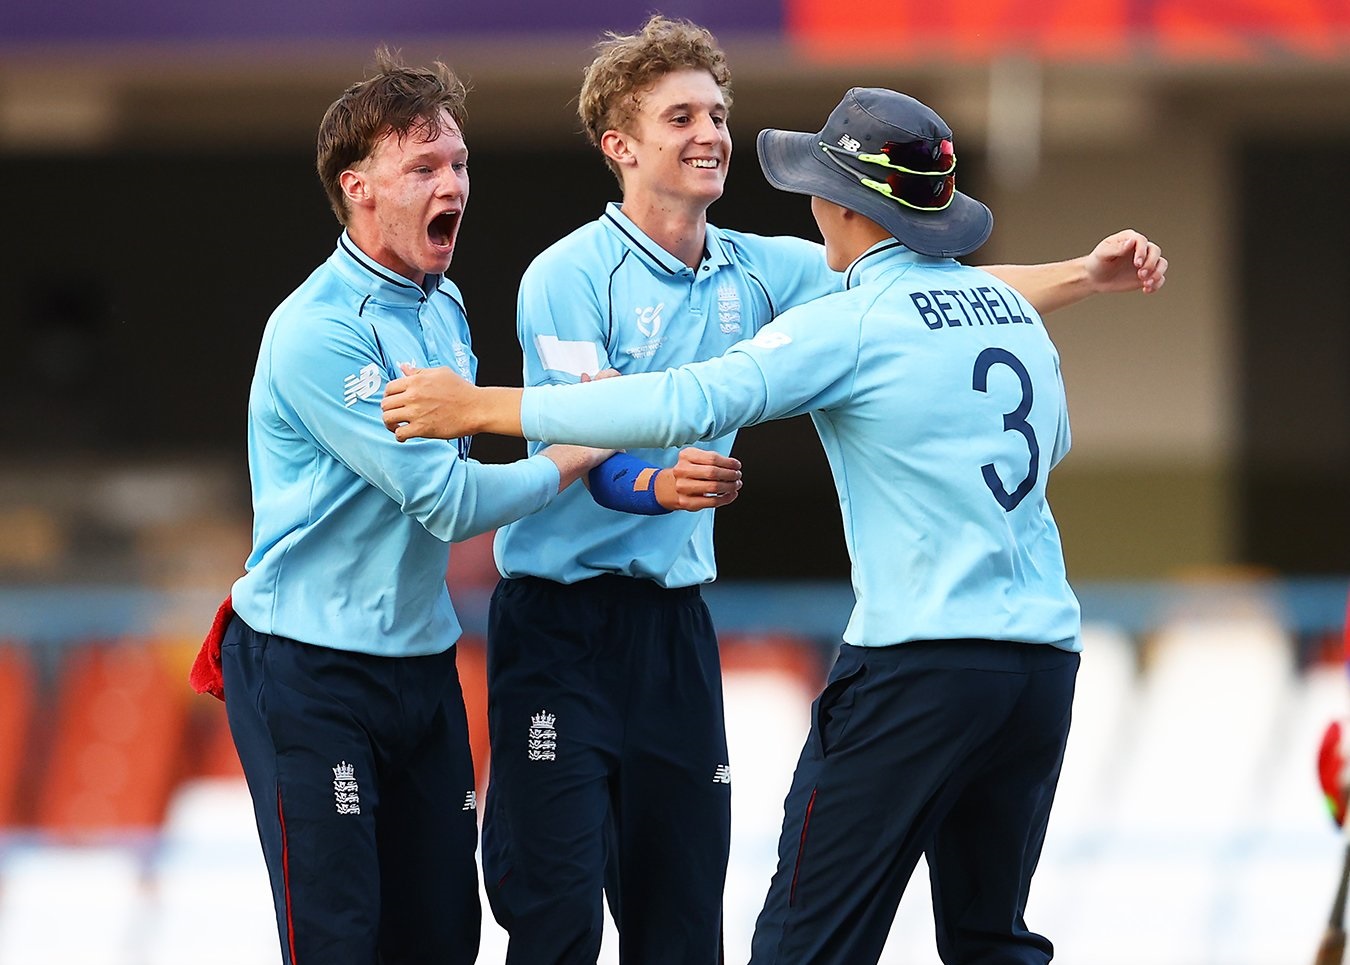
(627, 484)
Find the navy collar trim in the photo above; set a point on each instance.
(358, 256)
(655, 253)
(638, 244)
(879, 249)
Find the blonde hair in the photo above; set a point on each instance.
(397, 100)
(628, 64)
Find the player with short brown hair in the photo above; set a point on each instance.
(339, 662)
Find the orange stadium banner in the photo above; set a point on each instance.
(1243, 30)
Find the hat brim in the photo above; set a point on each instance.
(793, 161)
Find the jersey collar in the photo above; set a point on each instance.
(884, 256)
(366, 275)
(660, 261)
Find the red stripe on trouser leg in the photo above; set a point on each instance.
(286, 880)
(801, 848)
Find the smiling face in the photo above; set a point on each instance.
(678, 147)
(407, 198)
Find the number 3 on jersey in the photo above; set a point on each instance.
(1014, 421)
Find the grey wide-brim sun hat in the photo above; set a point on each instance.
(865, 119)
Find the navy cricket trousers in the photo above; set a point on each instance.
(609, 772)
(363, 792)
(946, 748)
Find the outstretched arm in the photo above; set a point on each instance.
(437, 404)
(1122, 262)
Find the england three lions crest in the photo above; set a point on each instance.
(728, 309)
(543, 740)
(346, 795)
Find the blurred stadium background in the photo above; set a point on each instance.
(158, 157)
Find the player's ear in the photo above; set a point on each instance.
(354, 187)
(617, 146)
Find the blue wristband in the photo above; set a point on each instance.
(627, 484)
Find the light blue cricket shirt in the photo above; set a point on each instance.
(350, 526)
(607, 296)
(937, 394)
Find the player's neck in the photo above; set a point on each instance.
(849, 237)
(373, 247)
(681, 231)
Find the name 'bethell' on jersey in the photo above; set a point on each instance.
(983, 305)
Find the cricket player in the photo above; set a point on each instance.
(937, 394)
(339, 664)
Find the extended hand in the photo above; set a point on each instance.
(428, 403)
(1126, 261)
(701, 479)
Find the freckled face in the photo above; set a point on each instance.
(680, 139)
(411, 198)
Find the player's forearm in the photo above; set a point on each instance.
(1048, 286)
(634, 411)
(495, 409)
(478, 497)
(573, 462)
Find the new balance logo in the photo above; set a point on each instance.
(543, 742)
(470, 801)
(346, 794)
(362, 385)
(722, 774)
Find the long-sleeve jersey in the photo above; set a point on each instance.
(937, 394)
(607, 296)
(351, 528)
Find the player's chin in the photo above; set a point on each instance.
(709, 184)
(713, 188)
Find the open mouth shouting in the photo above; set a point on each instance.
(442, 230)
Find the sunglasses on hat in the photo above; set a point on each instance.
(922, 174)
